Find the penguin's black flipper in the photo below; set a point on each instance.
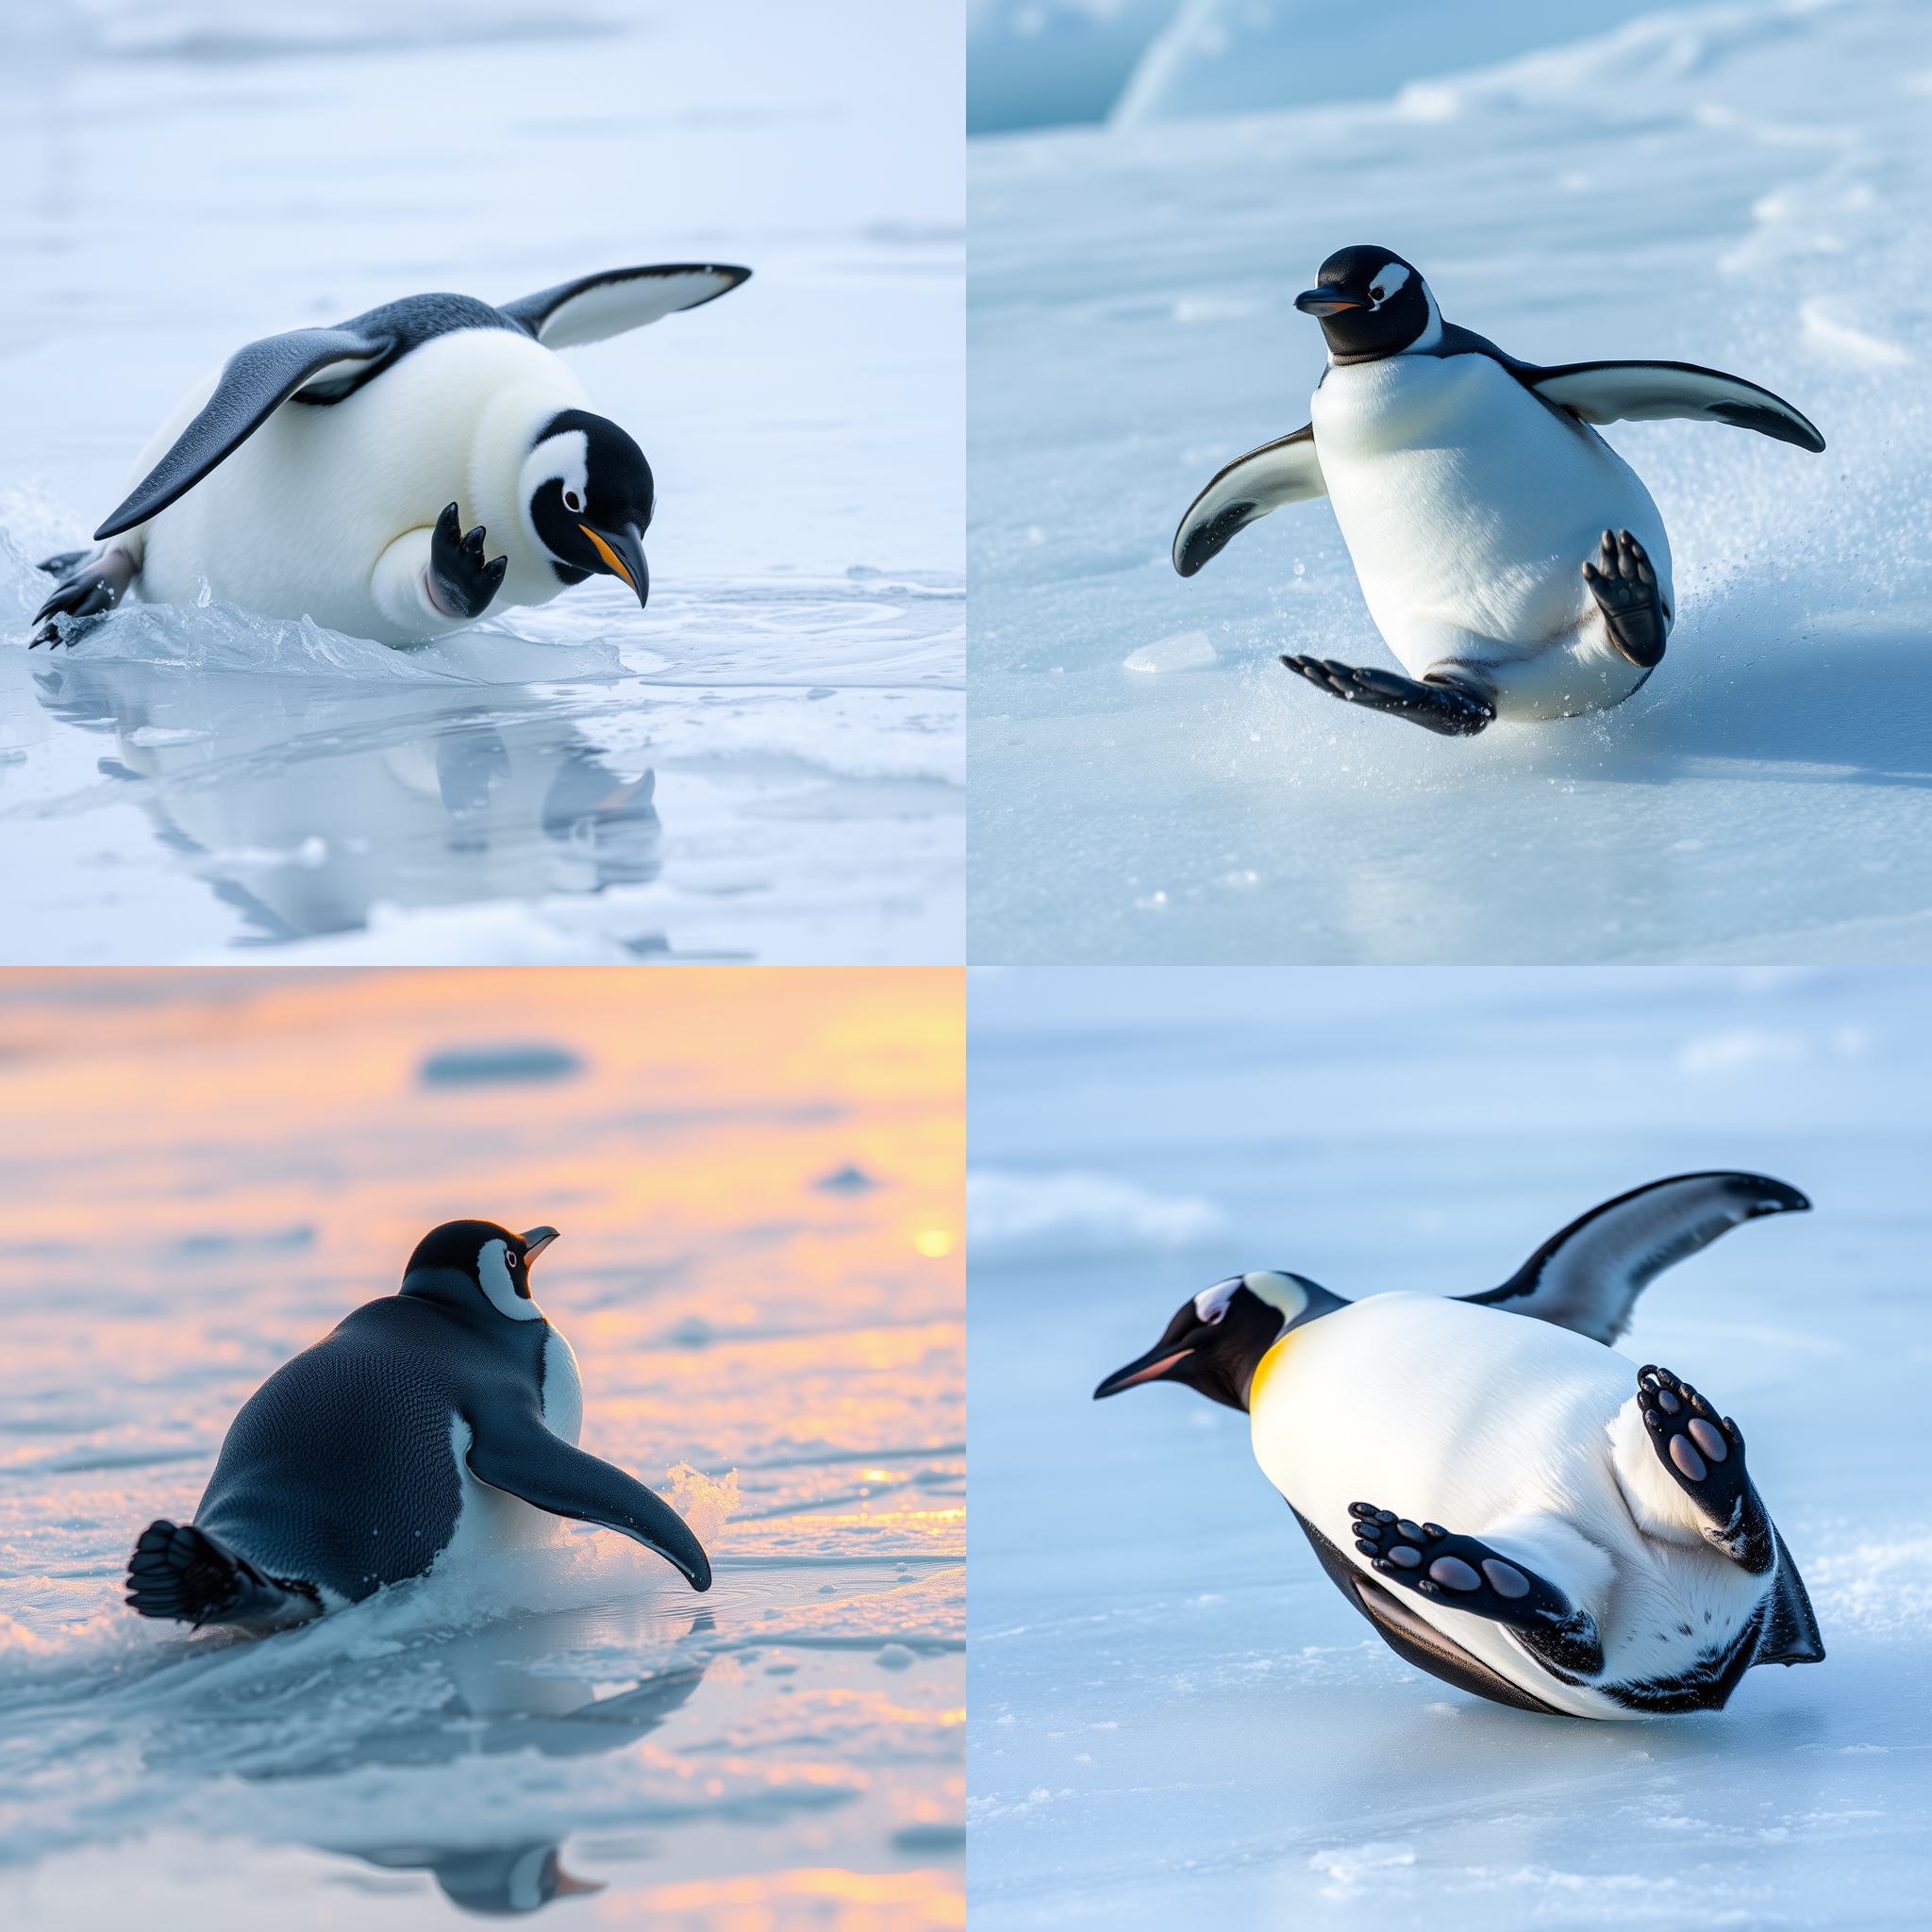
(594, 307)
(1450, 710)
(1588, 1276)
(524, 1459)
(258, 380)
(183, 1573)
(1284, 471)
(1653, 391)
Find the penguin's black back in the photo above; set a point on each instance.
(337, 1470)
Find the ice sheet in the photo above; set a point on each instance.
(1743, 186)
(1177, 1719)
(191, 178)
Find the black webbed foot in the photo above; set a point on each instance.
(1466, 1573)
(1624, 585)
(460, 583)
(1452, 711)
(1705, 1453)
(89, 591)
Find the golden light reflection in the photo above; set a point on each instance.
(935, 1244)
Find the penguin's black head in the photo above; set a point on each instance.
(1370, 302)
(1216, 1342)
(462, 1260)
(590, 499)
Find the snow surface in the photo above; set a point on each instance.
(1177, 1719)
(220, 1166)
(1740, 185)
(191, 781)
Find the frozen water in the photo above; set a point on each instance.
(784, 1362)
(768, 763)
(1177, 1719)
(1742, 185)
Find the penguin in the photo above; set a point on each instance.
(327, 473)
(1516, 1507)
(1510, 559)
(440, 1419)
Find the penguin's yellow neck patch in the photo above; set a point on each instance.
(1265, 1367)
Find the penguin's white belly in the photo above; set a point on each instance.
(489, 1521)
(1469, 508)
(293, 521)
(1494, 1426)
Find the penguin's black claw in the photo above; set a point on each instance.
(1466, 1573)
(1450, 709)
(1703, 1453)
(1622, 581)
(460, 583)
(96, 581)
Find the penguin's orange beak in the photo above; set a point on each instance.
(1326, 302)
(623, 552)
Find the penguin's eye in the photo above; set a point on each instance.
(572, 502)
(1375, 294)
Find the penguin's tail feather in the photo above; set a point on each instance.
(181, 1571)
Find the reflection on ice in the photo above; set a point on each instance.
(436, 797)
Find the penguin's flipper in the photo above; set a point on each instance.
(181, 1571)
(1652, 391)
(1588, 1276)
(1451, 709)
(255, 382)
(524, 1459)
(1284, 471)
(594, 307)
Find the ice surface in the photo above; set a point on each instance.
(188, 177)
(1744, 186)
(1177, 1719)
(220, 1167)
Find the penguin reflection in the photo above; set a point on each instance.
(305, 808)
(484, 1694)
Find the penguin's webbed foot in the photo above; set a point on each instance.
(460, 583)
(1703, 1453)
(1466, 1573)
(1450, 709)
(89, 591)
(1624, 585)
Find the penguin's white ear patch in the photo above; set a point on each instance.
(594, 308)
(500, 1284)
(1391, 280)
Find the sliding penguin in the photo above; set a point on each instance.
(1516, 1507)
(328, 473)
(442, 1418)
(1509, 556)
